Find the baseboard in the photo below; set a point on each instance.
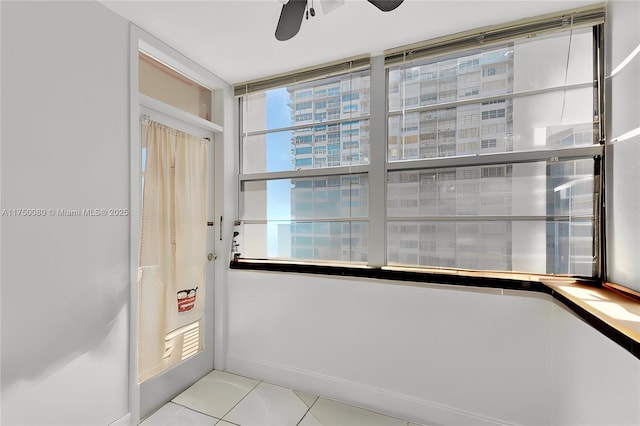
(357, 394)
(122, 421)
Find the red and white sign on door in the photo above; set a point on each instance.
(187, 299)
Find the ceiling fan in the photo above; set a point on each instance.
(293, 11)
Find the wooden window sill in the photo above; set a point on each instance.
(614, 314)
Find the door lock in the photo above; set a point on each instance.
(211, 257)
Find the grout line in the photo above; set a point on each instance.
(308, 408)
(227, 421)
(303, 416)
(189, 408)
(317, 398)
(184, 407)
(368, 410)
(241, 399)
(195, 411)
(222, 418)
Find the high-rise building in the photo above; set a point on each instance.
(469, 117)
(447, 131)
(336, 136)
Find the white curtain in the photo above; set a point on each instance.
(172, 249)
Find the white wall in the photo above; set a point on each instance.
(595, 381)
(64, 279)
(623, 157)
(437, 355)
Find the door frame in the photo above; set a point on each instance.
(157, 390)
(222, 114)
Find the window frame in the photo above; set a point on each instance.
(327, 171)
(595, 151)
(378, 167)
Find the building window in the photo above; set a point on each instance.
(488, 143)
(494, 113)
(301, 94)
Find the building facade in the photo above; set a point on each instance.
(461, 217)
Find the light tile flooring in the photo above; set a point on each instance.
(225, 399)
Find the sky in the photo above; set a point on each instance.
(278, 191)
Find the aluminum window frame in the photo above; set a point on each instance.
(310, 76)
(595, 151)
(379, 166)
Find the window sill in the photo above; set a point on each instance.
(613, 314)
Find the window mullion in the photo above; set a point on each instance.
(551, 155)
(305, 173)
(377, 171)
(362, 117)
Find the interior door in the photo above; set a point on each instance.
(160, 388)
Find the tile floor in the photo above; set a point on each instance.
(225, 399)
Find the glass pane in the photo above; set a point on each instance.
(171, 87)
(522, 189)
(328, 197)
(568, 59)
(504, 125)
(341, 97)
(332, 145)
(342, 241)
(544, 247)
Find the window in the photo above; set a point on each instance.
(322, 216)
(494, 113)
(490, 163)
(301, 94)
(489, 143)
(468, 133)
(303, 139)
(350, 97)
(304, 150)
(165, 84)
(530, 215)
(493, 70)
(303, 117)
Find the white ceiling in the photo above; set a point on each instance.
(235, 39)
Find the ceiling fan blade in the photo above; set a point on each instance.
(386, 5)
(290, 19)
